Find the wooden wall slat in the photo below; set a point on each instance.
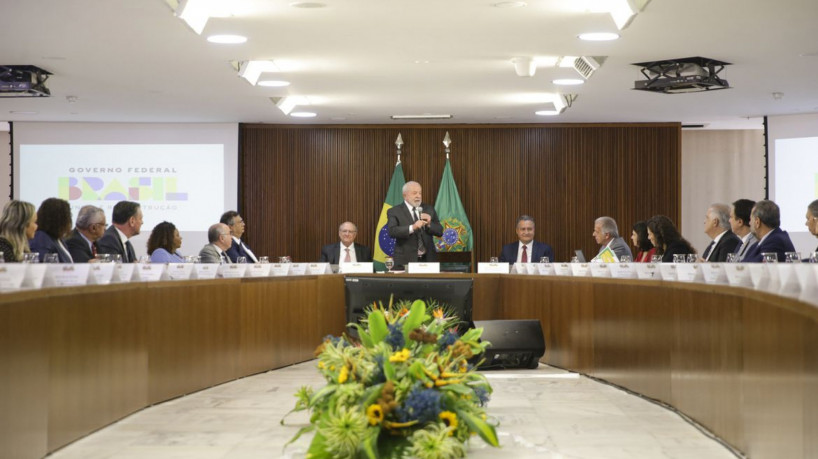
(297, 183)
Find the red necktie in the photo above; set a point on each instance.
(347, 259)
(524, 258)
(94, 249)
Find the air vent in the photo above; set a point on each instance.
(586, 66)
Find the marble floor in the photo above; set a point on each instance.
(545, 413)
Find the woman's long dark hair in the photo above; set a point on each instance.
(162, 237)
(642, 241)
(666, 233)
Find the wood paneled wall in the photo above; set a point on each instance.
(298, 183)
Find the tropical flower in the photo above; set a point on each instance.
(342, 378)
(435, 443)
(375, 414)
(344, 431)
(449, 419)
(400, 356)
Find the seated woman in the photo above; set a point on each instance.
(17, 225)
(667, 239)
(163, 244)
(639, 237)
(54, 221)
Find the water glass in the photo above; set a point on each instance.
(655, 258)
(792, 257)
(494, 260)
(264, 260)
(241, 260)
(679, 258)
(32, 257)
(144, 259)
(51, 258)
(389, 262)
(813, 257)
(544, 260)
(769, 257)
(284, 259)
(2, 258)
(103, 258)
(732, 258)
(574, 259)
(626, 259)
(691, 258)
(116, 258)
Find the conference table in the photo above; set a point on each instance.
(740, 362)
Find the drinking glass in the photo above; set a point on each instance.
(241, 259)
(2, 259)
(655, 258)
(144, 259)
(732, 258)
(284, 259)
(51, 258)
(389, 262)
(679, 258)
(626, 259)
(494, 260)
(116, 258)
(263, 260)
(792, 257)
(544, 260)
(103, 258)
(691, 258)
(769, 257)
(813, 257)
(574, 259)
(33, 257)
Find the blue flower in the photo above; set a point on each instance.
(447, 339)
(335, 340)
(482, 394)
(395, 337)
(421, 405)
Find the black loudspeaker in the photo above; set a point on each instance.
(514, 343)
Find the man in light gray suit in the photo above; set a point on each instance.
(606, 234)
(220, 241)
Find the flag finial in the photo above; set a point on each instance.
(447, 141)
(399, 143)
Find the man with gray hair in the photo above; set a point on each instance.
(717, 227)
(526, 249)
(220, 240)
(606, 234)
(90, 226)
(812, 219)
(412, 225)
(765, 221)
(347, 251)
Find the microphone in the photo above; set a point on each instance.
(420, 212)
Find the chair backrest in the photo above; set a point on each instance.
(456, 261)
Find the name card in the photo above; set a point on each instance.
(580, 269)
(257, 270)
(759, 276)
(738, 274)
(299, 269)
(563, 269)
(123, 272)
(668, 271)
(280, 269)
(790, 286)
(369, 268)
(148, 272)
(35, 273)
(600, 270)
(66, 274)
(205, 270)
(521, 268)
(232, 270)
(808, 277)
(179, 271)
(648, 271)
(101, 273)
(689, 272)
(316, 269)
(622, 270)
(11, 276)
(422, 268)
(493, 268)
(545, 269)
(773, 271)
(714, 273)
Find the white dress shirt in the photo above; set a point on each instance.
(343, 254)
(529, 248)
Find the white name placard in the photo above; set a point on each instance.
(232, 270)
(35, 272)
(180, 271)
(648, 271)
(315, 269)
(668, 271)
(689, 272)
(759, 276)
(520, 268)
(622, 270)
(563, 269)
(790, 285)
(808, 277)
(714, 273)
(258, 270)
(493, 268)
(205, 270)
(601, 269)
(738, 274)
(147, 272)
(580, 269)
(11, 276)
(545, 269)
(368, 268)
(280, 269)
(101, 273)
(422, 268)
(298, 269)
(65, 274)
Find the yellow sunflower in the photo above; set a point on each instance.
(450, 420)
(400, 356)
(375, 414)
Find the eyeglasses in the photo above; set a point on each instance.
(348, 231)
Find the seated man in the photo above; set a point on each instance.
(526, 250)
(765, 219)
(237, 249)
(347, 251)
(215, 252)
(606, 234)
(717, 227)
(127, 218)
(812, 219)
(740, 225)
(90, 226)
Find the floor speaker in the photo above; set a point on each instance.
(514, 343)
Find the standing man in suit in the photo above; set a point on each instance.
(90, 226)
(412, 225)
(219, 239)
(812, 219)
(740, 225)
(765, 220)
(606, 234)
(526, 250)
(237, 249)
(347, 251)
(127, 218)
(717, 227)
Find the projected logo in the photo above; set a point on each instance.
(112, 189)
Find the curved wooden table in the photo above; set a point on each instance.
(72, 360)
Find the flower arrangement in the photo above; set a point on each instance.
(406, 389)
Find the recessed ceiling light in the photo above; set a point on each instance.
(547, 113)
(510, 4)
(421, 61)
(273, 83)
(20, 112)
(598, 36)
(425, 116)
(568, 81)
(304, 114)
(308, 5)
(227, 39)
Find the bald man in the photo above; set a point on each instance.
(346, 251)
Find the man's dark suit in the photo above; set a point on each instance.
(110, 243)
(539, 250)
(727, 245)
(331, 253)
(44, 244)
(237, 250)
(78, 247)
(399, 219)
(777, 241)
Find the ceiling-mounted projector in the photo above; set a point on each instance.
(23, 81)
(676, 76)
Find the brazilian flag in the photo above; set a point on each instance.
(385, 245)
(457, 236)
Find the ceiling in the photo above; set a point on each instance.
(361, 61)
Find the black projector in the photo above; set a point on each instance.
(679, 76)
(23, 81)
